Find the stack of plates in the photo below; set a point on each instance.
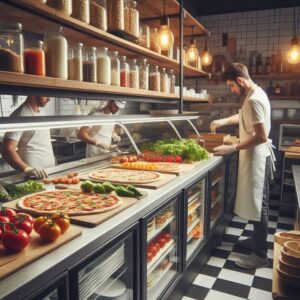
(112, 289)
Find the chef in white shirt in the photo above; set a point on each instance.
(99, 138)
(29, 151)
(255, 158)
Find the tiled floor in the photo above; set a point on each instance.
(222, 279)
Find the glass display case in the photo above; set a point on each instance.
(288, 136)
(161, 261)
(232, 169)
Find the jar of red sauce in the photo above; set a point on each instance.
(34, 58)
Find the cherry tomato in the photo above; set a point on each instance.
(135, 158)
(49, 231)
(167, 237)
(38, 222)
(149, 256)
(4, 219)
(15, 241)
(26, 226)
(62, 220)
(153, 249)
(75, 180)
(7, 212)
(178, 159)
(23, 217)
(162, 242)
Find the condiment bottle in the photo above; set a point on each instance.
(75, 62)
(34, 58)
(89, 66)
(115, 68)
(103, 66)
(268, 65)
(124, 72)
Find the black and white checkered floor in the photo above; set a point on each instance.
(221, 279)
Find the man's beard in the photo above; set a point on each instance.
(241, 89)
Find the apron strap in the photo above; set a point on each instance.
(273, 158)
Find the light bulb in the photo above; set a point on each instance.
(192, 53)
(293, 55)
(206, 58)
(165, 37)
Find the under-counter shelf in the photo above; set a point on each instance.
(215, 181)
(193, 197)
(191, 210)
(160, 229)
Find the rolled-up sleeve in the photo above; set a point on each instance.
(257, 112)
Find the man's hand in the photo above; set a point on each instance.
(35, 172)
(225, 149)
(217, 124)
(102, 145)
(116, 138)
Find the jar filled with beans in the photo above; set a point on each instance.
(154, 42)
(81, 10)
(115, 10)
(133, 74)
(89, 64)
(63, 6)
(154, 79)
(143, 74)
(98, 14)
(132, 18)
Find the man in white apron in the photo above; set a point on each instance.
(98, 138)
(29, 151)
(254, 122)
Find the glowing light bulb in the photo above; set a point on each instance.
(192, 53)
(165, 37)
(206, 58)
(293, 55)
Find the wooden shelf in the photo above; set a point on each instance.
(275, 76)
(192, 99)
(284, 97)
(218, 105)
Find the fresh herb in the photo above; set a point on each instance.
(29, 187)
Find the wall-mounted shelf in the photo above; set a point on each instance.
(284, 97)
(193, 99)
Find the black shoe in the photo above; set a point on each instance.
(245, 244)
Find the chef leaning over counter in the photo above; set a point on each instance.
(255, 161)
(29, 151)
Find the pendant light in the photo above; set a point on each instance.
(293, 54)
(165, 35)
(206, 57)
(192, 52)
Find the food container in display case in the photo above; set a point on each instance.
(161, 255)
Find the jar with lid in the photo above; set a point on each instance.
(131, 18)
(154, 42)
(63, 6)
(144, 39)
(12, 47)
(81, 10)
(34, 58)
(172, 81)
(143, 74)
(124, 68)
(89, 64)
(56, 53)
(115, 68)
(154, 79)
(103, 66)
(133, 74)
(75, 62)
(163, 81)
(115, 10)
(98, 14)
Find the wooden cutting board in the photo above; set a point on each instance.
(293, 149)
(12, 262)
(166, 178)
(218, 137)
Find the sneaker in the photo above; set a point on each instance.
(252, 262)
(245, 244)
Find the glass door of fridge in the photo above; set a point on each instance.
(232, 170)
(161, 260)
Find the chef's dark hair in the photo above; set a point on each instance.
(235, 70)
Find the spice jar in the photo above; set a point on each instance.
(133, 74)
(75, 62)
(89, 64)
(98, 14)
(103, 66)
(11, 48)
(81, 10)
(131, 18)
(154, 41)
(172, 81)
(154, 79)
(124, 72)
(115, 68)
(63, 6)
(144, 39)
(115, 10)
(56, 53)
(34, 58)
(163, 81)
(143, 74)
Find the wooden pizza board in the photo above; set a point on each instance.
(218, 137)
(12, 262)
(292, 155)
(166, 178)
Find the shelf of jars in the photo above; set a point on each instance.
(77, 31)
(276, 76)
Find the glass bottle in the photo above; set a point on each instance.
(268, 65)
(56, 53)
(259, 65)
(280, 66)
(34, 58)
(115, 68)
(124, 68)
(163, 81)
(172, 81)
(89, 64)
(63, 6)
(98, 14)
(11, 48)
(131, 18)
(144, 39)
(115, 11)
(252, 65)
(133, 74)
(81, 10)
(154, 42)
(75, 62)
(103, 66)
(273, 64)
(154, 79)
(143, 74)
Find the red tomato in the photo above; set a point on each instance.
(162, 242)
(153, 249)
(23, 217)
(167, 237)
(7, 212)
(178, 159)
(149, 256)
(4, 219)
(38, 222)
(49, 231)
(169, 158)
(15, 241)
(26, 226)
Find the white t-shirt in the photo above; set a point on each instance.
(34, 147)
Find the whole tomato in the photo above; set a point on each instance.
(162, 242)
(38, 222)
(4, 219)
(23, 221)
(15, 241)
(25, 225)
(23, 217)
(167, 237)
(153, 249)
(62, 220)
(49, 231)
(7, 212)
(149, 256)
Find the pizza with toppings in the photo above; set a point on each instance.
(70, 202)
(125, 176)
(155, 166)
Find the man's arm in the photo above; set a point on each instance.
(233, 120)
(85, 136)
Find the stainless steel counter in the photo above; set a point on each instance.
(296, 174)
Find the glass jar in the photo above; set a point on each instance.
(103, 66)
(34, 58)
(56, 53)
(124, 72)
(143, 74)
(154, 79)
(115, 10)
(98, 14)
(163, 81)
(81, 10)
(42, 1)
(154, 42)
(63, 6)
(131, 18)
(115, 68)
(75, 62)
(133, 77)
(144, 39)
(89, 69)
(172, 81)
(11, 48)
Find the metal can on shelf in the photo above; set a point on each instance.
(103, 66)
(75, 62)
(34, 58)
(143, 74)
(63, 6)
(115, 68)
(133, 74)
(131, 18)
(154, 79)
(124, 69)
(98, 14)
(89, 64)
(115, 10)
(81, 10)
